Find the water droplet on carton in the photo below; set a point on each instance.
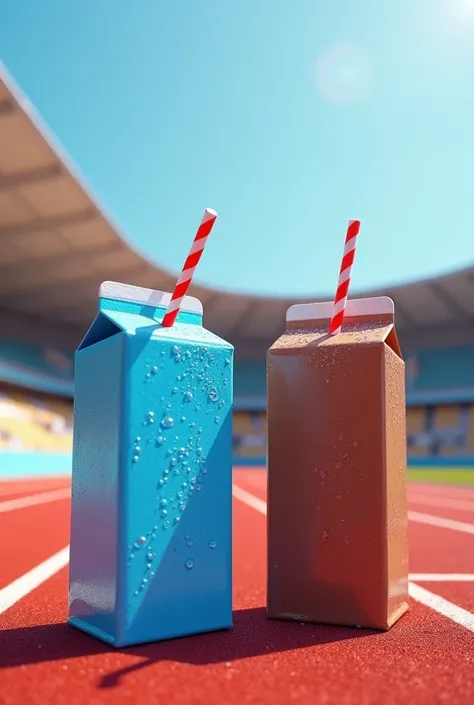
(189, 563)
(141, 541)
(154, 369)
(189, 542)
(325, 534)
(135, 458)
(138, 439)
(188, 354)
(198, 488)
(188, 396)
(227, 361)
(150, 556)
(322, 473)
(183, 418)
(355, 444)
(175, 349)
(174, 390)
(346, 538)
(217, 419)
(164, 513)
(167, 422)
(164, 503)
(212, 544)
(160, 440)
(212, 394)
(177, 520)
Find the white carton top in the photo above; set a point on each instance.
(149, 297)
(374, 306)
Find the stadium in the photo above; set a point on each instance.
(57, 247)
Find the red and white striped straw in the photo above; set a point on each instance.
(344, 278)
(187, 273)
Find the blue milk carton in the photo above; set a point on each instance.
(151, 524)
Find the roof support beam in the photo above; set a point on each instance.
(7, 107)
(18, 179)
(44, 224)
(456, 308)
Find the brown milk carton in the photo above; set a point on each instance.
(337, 514)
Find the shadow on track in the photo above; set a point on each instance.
(253, 635)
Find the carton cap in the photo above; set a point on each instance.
(149, 297)
(374, 306)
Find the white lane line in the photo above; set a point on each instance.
(442, 577)
(261, 507)
(249, 499)
(435, 602)
(20, 588)
(443, 502)
(442, 606)
(441, 522)
(31, 500)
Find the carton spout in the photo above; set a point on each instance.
(147, 297)
(356, 308)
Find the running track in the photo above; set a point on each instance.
(427, 658)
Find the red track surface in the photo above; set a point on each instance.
(425, 659)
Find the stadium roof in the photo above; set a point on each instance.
(57, 245)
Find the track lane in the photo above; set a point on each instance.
(425, 659)
(13, 490)
(28, 536)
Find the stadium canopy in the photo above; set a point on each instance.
(57, 245)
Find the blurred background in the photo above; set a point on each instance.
(289, 125)
(57, 246)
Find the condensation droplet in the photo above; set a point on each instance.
(325, 534)
(217, 419)
(212, 544)
(189, 563)
(188, 396)
(160, 440)
(212, 394)
(167, 422)
(154, 369)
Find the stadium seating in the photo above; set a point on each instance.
(30, 423)
(440, 398)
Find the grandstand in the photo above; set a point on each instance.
(58, 245)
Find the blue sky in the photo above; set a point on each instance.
(289, 117)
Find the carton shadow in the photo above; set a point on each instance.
(253, 635)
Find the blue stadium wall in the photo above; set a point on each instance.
(440, 401)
